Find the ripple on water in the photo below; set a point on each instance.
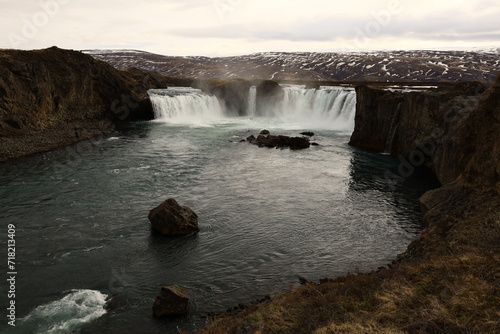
(266, 217)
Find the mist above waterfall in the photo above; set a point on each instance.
(331, 108)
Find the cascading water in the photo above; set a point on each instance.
(330, 108)
(185, 105)
(252, 99)
(327, 107)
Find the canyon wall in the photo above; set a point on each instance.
(419, 127)
(44, 88)
(53, 98)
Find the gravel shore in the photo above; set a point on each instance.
(20, 145)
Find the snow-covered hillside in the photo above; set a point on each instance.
(384, 66)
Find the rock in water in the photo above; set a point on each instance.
(115, 302)
(294, 143)
(252, 139)
(307, 133)
(172, 300)
(169, 218)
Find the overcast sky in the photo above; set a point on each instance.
(235, 27)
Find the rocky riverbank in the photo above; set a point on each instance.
(447, 280)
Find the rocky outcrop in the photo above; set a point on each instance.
(171, 301)
(478, 142)
(307, 133)
(43, 93)
(40, 89)
(269, 94)
(233, 93)
(418, 127)
(280, 141)
(375, 111)
(169, 218)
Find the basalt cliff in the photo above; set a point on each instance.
(54, 97)
(447, 280)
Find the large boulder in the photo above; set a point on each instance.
(172, 300)
(169, 218)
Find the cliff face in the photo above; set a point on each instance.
(418, 127)
(478, 142)
(41, 89)
(377, 113)
(232, 92)
(268, 94)
(52, 98)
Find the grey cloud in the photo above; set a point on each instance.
(454, 25)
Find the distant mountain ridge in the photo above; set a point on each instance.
(383, 66)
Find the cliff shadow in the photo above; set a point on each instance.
(379, 175)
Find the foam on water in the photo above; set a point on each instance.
(65, 315)
(181, 105)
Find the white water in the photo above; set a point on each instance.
(252, 99)
(185, 106)
(65, 315)
(331, 108)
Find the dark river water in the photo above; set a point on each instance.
(266, 216)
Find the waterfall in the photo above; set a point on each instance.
(252, 101)
(330, 108)
(326, 107)
(184, 105)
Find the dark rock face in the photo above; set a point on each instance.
(375, 111)
(478, 142)
(269, 93)
(172, 301)
(169, 218)
(417, 126)
(294, 143)
(234, 93)
(40, 89)
(45, 94)
(115, 302)
(251, 139)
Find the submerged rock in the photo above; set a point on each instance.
(115, 302)
(169, 218)
(172, 300)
